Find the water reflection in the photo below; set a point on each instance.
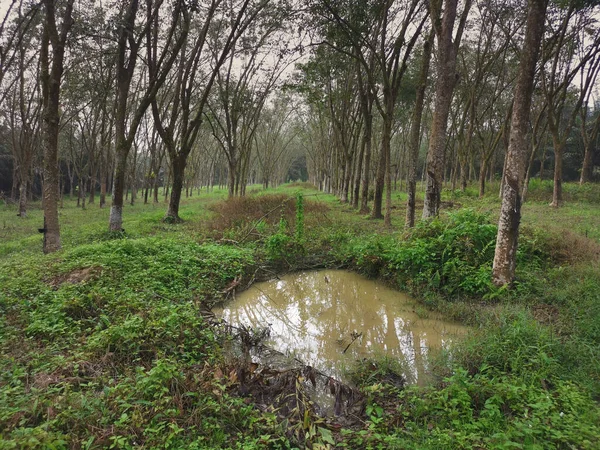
(328, 319)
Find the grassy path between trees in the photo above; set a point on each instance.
(104, 345)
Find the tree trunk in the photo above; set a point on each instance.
(92, 190)
(558, 163)
(155, 196)
(50, 187)
(482, 174)
(71, 173)
(103, 190)
(528, 173)
(588, 164)
(415, 134)
(505, 256)
(115, 221)
(443, 98)
(590, 143)
(347, 176)
(364, 194)
(454, 176)
(178, 175)
(23, 198)
(133, 190)
(51, 74)
(231, 178)
(82, 194)
(387, 152)
(376, 213)
(542, 164)
(15, 183)
(357, 175)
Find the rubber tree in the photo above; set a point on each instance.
(345, 118)
(16, 29)
(20, 90)
(89, 99)
(22, 114)
(98, 62)
(589, 123)
(129, 109)
(316, 139)
(570, 54)
(52, 53)
(178, 111)
(483, 101)
(363, 175)
(505, 256)
(250, 74)
(273, 137)
(447, 49)
(538, 136)
(394, 50)
(415, 132)
(589, 134)
(329, 82)
(381, 35)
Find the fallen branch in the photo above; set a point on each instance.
(355, 336)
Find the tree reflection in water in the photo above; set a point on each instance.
(316, 315)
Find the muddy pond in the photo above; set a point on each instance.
(329, 319)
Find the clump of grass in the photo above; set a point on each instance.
(238, 212)
(568, 247)
(250, 217)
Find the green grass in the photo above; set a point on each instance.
(102, 345)
(82, 226)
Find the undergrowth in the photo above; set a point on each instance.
(119, 356)
(451, 256)
(104, 344)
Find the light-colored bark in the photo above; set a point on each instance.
(23, 198)
(589, 142)
(557, 198)
(505, 256)
(415, 133)
(444, 88)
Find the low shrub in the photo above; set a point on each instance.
(239, 217)
(452, 256)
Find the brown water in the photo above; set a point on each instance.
(329, 319)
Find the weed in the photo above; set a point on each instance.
(299, 231)
(103, 345)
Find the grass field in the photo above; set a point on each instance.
(106, 344)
